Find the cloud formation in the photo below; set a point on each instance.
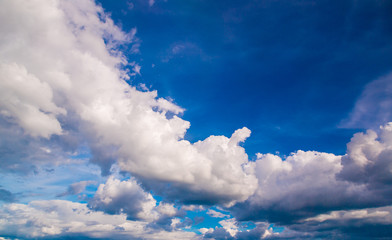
(117, 197)
(307, 184)
(58, 218)
(63, 85)
(78, 73)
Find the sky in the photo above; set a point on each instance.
(169, 119)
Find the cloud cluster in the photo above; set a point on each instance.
(127, 197)
(63, 84)
(116, 197)
(56, 219)
(306, 184)
(74, 67)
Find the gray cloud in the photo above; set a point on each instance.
(350, 224)
(115, 197)
(307, 184)
(76, 188)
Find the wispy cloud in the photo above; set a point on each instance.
(373, 108)
(76, 188)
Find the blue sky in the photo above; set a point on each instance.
(290, 71)
(169, 119)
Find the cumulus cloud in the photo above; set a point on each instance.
(369, 161)
(73, 60)
(62, 84)
(310, 184)
(320, 181)
(298, 186)
(57, 218)
(28, 101)
(200, 168)
(116, 197)
(127, 197)
(231, 230)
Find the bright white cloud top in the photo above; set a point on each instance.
(63, 87)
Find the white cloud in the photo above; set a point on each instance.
(66, 52)
(230, 225)
(369, 160)
(28, 101)
(69, 53)
(57, 218)
(381, 215)
(302, 179)
(309, 183)
(127, 197)
(115, 197)
(217, 214)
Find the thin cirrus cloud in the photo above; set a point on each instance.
(63, 86)
(373, 106)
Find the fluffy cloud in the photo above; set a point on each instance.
(201, 168)
(63, 84)
(115, 197)
(57, 218)
(301, 185)
(231, 230)
(127, 197)
(307, 184)
(69, 54)
(36, 113)
(369, 161)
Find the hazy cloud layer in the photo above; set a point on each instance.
(373, 106)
